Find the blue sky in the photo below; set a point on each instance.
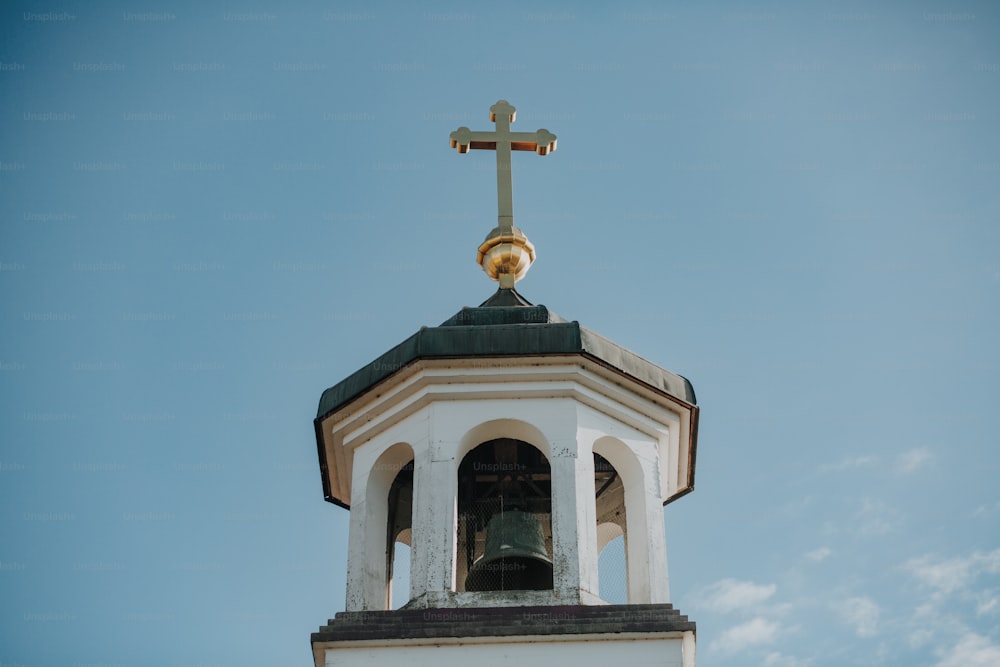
(210, 213)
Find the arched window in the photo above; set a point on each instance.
(504, 518)
(612, 532)
(397, 551)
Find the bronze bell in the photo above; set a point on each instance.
(514, 558)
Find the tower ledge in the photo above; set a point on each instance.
(435, 624)
(652, 633)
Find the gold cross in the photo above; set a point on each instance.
(503, 141)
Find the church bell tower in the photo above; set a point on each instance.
(506, 447)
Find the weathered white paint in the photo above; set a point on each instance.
(598, 650)
(436, 411)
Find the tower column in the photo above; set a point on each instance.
(574, 523)
(586, 522)
(653, 543)
(366, 575)
(434, 507)
(356, 556)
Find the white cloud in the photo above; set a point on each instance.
(797, 507)
(912, 460)
(986, 603)
(848, 464)
(862, 613)
(920, 637)
(953, 574)
(987, 511)
(947, 576)
(955, 582)
(877, 518)
(730, 594)
(819, 554)
(778, 660)
(754, 632)
(829, 528)
(972, 650)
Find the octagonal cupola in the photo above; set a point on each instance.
(502, 409)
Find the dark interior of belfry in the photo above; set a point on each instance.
(504, 515)
(504, 518)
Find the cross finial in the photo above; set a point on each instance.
(506, 254)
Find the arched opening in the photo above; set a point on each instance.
(613, 571)
(399, 525)
(399, 584)
(612, 531)
(504, 518)
(378, 520)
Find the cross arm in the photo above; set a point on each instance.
(542, 141)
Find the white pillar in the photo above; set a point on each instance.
(574, 518)
(356, 554)
(586, 522)
(434, 506)
(653, 546)
(366, 574)
(565, 535)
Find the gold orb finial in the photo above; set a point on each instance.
(506, 254)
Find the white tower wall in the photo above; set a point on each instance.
(442, 410)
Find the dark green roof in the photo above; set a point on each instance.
(505, 325)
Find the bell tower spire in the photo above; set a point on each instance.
(507, 447)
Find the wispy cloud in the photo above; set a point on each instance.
(755, 632)
(912, 460)
(959, 591)
(848, 464)
(877, 518)
(797, 507)
(819, 554)
(986, 511)
(776, 659)
(730, 594)
(972, 650)
(950, 575)
(862, 614)
(987, 602)
(920, 637)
